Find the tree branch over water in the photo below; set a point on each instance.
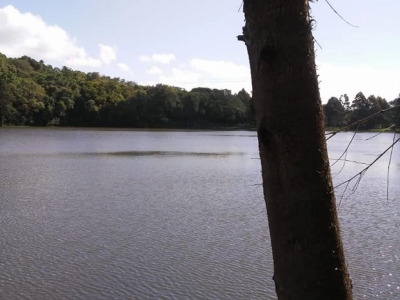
(358, 177)
(360, 174)
(383, 131)
(332, 134)
(344, 154)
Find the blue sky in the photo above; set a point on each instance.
(193, 43)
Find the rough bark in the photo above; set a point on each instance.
(309, 261)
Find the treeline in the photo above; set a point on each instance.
(33, 93)
(339, 112)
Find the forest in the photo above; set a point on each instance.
(35, 94)
(339, 112)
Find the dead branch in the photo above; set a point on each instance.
(347, 148)
(384, 130)
(340, 15)
(344, 154)
(332, 134)
(390, 160)
(352, 161)
(360, 174)
(241, 4)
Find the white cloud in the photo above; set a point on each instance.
(163, 58)
(183, 78)
(206, 73)
(108, 53)
(336, 80)
(158, 58)
(27, 34)
(123, 67)
(154, 71)
(144, 58)
(220, 69)
(83, 62)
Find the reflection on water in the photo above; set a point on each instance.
(170, 153)
(107, 214)
(131, 153)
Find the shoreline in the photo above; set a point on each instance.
(205, 128)
(333, 129)
(200, 128)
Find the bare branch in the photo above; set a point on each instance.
(384, 130)
(317, 43)
(332, 134)
(340, 15)
(347, 148)
(241, 4)
(341, 198)
(362, 173)
(345, 152)
(352, 161)
(390, 160)
(353, 190)
(257, 185)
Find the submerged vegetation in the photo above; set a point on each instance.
(36, 94)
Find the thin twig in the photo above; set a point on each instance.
(317, 43)
(340, 15)
(347, 148)
(384, 130)
(257, 185)
(341, 198)
(345, 152)
(342, 168)
(361, 173)
(360, 121)
(353, 190)
(353, 161)
(241, 4)
(387, 177)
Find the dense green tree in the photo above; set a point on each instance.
(363, 107)
(334, 113)
(381, 120)
(8, 79)
(33, 93)
(28, 101)
(162, 104)
(190, 108)
(395, 115)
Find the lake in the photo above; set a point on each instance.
(129, 214)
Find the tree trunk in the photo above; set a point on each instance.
(309, 262)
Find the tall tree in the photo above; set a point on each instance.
(309, 262)
(333, 112)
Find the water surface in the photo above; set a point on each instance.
(108, 214)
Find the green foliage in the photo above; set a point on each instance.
(32, 93)
(334, 112)
(339, 113)
(396, 115)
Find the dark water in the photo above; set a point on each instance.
(97, 214)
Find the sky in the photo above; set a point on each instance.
(193, 43)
